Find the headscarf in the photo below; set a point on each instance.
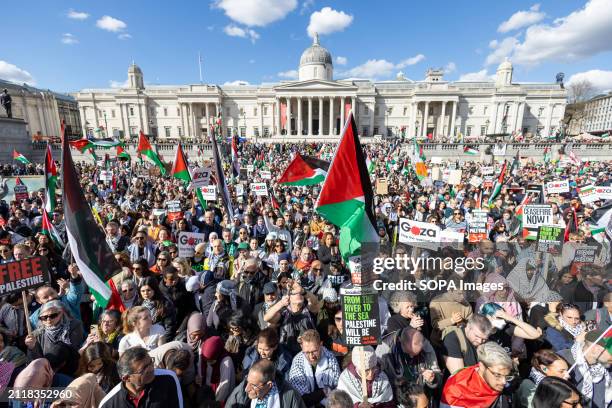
(38, 374)
(213, 349)
(86, 393)
(510, 305)
(228, 288)
(60, 333)
(196, 322)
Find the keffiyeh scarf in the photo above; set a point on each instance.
(271, 400)
(326, 372)
(379, 390)
(591, 374)
(59, 333)
(536, 376)
(150, 305)
(574, 331)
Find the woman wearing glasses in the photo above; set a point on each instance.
(562, 333)
(556, 393)
(57, 335)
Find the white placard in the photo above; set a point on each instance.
(455, 177)
(414, 231)
(265, 175)
(200, 176)
(588, 194)
(476, 181)
(603, 192)
(536, 215)
(239, 190)
(250, 168)
(499, 150)
(174, 206)
(158, 212)
(209, 193)
(557, 187)
(106, 175)
(260, 189)
(487, 170)
(436, 160)
(436, 174)
(187, 242)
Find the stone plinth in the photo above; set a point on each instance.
(13, 135)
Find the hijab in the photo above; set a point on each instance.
(86, 393)
(196, 322)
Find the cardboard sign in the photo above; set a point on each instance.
(603, 192)
(533, 217)
(200, 176)
(487, 170)
(21, 192)
(174, 210)
(588, 194)
(187, 242)
(436, 174)
(454, 177)
(382, 187)
(476, 181)
(260, 189)
(158, 212)
(106, 175)
(415, 233)
(265, 175)
(477, 226)
(209, 193)
(239, 190)
(550, 238)
(585, 254)
(250, 168)
(22, 275)
(360, 315)
(557, 187)
(488, 182)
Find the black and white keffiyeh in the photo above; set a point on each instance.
(326, 374)
(591, 373)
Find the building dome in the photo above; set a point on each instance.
(504, 73)
(134, 69)
(316, 62)
(506, 64)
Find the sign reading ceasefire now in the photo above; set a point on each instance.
(21, 275)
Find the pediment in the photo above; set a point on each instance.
(315, 84)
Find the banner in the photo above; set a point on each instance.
(174, 210)
(187, 242)
(260, 189)
(533, 217)
(22, 275)
(487, 170)
(106, 175)
(209, 193)
(200, 177)
(603, 192)
(499, 149)
(477, 226)
(557, 187)
(21, 192)
(265, 175)
(550, 238)
(588, 194)
(360, 315)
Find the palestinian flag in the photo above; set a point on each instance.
(467, 389)
(145, 148)
(49, 230)
(87, 241)
(371, 165)
(82, 145)
(547, 155)
(179, 168)
(420, 168)
(50, 180)
(607, 338)
(346, 197)
(221, 184)
(498, 184)
(304, 171)
(471, 151)
(20, 157)
(602, 221)
(235, 159)
(122, 154)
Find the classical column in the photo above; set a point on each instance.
(443, 118)
(310, 116)
(331, 116)
(452, 120)
(261, 119)
(320, 130)
(146, 116)
(83, 126)
(299, 124)
(289, 117)
(548, 121)
(95, 109)
(494, 121)
(123, 128)
(519, 119)
(373, 112)
(342, 109)
(41, 115)
(354, 107)
(277, 118)
(425, 117)
(194, 133)
(412, 119)
(207, 113)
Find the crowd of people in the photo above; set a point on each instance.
(252, 317)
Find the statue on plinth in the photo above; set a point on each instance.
(5, 101)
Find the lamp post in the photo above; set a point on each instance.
(416, 128)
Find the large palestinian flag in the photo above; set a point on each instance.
(87, 241)
(50, 181)
(145, 148)
(347, 198)
(304, 171)
(467, 389)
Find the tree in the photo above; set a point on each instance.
(580, 91)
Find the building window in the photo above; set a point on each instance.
(365, 110)
(389, 132)
(468, 131)
(178, 111)
(540, 111)
(376, 111)
(180, 131)
(470, 110)
(525, 130)
(431, 111)
(228, 111)
(539, 130)
(131, 111)
(242, 131)
(405, 111)
(254, 111)
(265, 110)
(133, 131)
(504, 128)
(390, 110)
(483, 130)
(484, 110)
(241, 112)
(256, 131)
(167, 131)
(375, 130)
(266, 131)
(112, 113)
(365, 131)
(165, 111)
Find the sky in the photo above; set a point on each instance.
(69, 45)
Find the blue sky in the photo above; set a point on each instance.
(70, 45)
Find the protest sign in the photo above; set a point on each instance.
(550, 238)
(585, 254)
(174, 210)
(446, 174)
(419, 234)
(604, 192)
(265, 175)
(250, 168)
(200, 176)
(381, 186)
(106, 175)
(499, 149)
(536, 192)
(557, 187)
(454, 177)
(187, 242)
(209, 193)
(22, 275)
(260, 189)
(158, 212)
(477, 226)
(476, 181)
(239, 190)
(21, 192)
(487, 170)
(436, 160)
(487, 182)
(360, 315)
(588, 194)
(452, 239)
(533, 217)
(436, 174)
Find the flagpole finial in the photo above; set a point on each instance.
(315, 40)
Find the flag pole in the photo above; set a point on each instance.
(601, 336)
(24, 297)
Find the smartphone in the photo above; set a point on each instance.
(590, 325)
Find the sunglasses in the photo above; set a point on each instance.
(127, 290)
(48, 317)
(139, 238)
(162, 259)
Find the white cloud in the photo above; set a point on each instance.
(522, 19)
(306, 5)
(124, 36)
(235, 31)
(327, 21)
(450, 67)
(501, 50)
(13, 73)
(69, 39)
(256, 12)
(238, 82)
(480, 76)
(341, 60)
(118, 84)
(77, 15)
(291, 74)
(601, 80)
(410, 61)
(581, 34)
(112, 24)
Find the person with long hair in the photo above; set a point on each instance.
(140, 331)
(108, 330)
(161, 309)
(568, 326)
(97, 359)
(544, 363)
(554, 392)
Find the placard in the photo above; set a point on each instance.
(21, 192)
(455, 177)
(416, 233)
(239, 190)
(476, 181)
(477, 226)
(533, 217)
(550, 238)
(158, 212)
(360, 315)
(23, 275)
(209, 193)
(499, 149)
(487, 170)
(187, 242)
(436, 160)
(487, 182)
(174, 210)
(588, 194)
(260, 189)
(200, 176)
(265, 175)
(585, 254)
(536, 192)
(250, 168)
(603, 192)
(436, 174)
(557, 187)
(382, 187)
(106, 175)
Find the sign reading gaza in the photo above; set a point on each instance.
(360, 315)
(21, 275)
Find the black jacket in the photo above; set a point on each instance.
(164, 391)
(288, 396)
(64, 358)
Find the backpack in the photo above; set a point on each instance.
(460, 337)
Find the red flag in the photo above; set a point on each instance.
(468, 389)
(115, 301)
